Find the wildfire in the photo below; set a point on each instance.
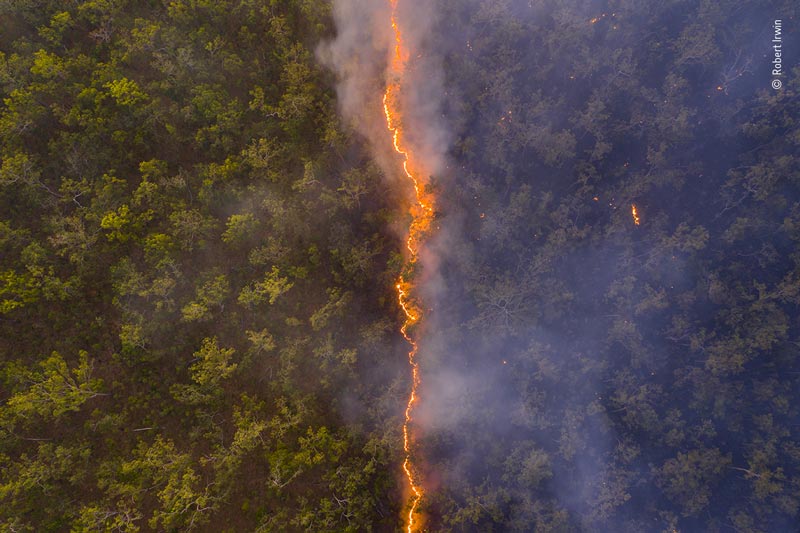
(635, 214)
(421, 220)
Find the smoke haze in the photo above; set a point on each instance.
(359, 55)
(563, 386)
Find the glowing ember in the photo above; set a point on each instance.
(595, 20)
(635, 214)
(421, 219)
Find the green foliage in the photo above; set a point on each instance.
(125, 92)
(210, 295)
(212, 366)
(55, 389)
(17, 290)
(18, 167)
(239, 228)
(118, 224)
(268, 290)
(147, 161)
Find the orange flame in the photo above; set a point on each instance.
(422, 214)
(635, 214)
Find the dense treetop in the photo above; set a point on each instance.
(198, 329)
(622, 377)
(193, 268)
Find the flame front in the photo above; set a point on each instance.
(635, 215)
(422, 213)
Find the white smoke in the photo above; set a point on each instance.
(359, 55)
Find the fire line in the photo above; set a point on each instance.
(422, 213)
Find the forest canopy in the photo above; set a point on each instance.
(199, 329)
